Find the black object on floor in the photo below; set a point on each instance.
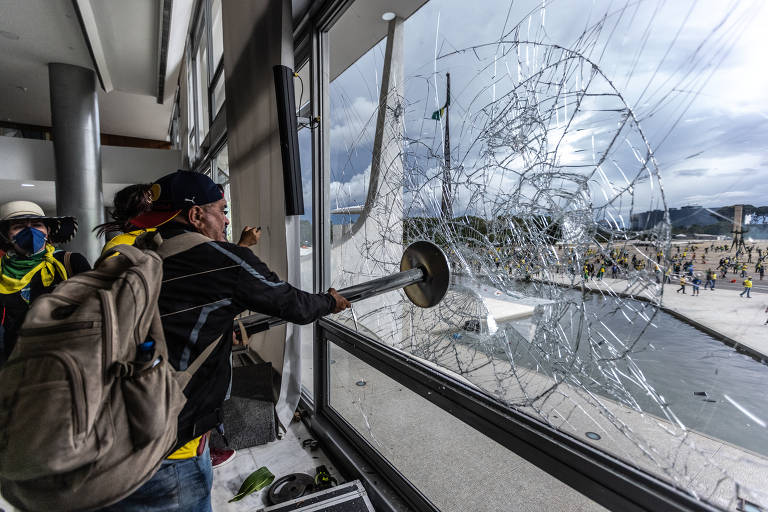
(290, 487)
(349, 497)
(249, 414)
(323, 479)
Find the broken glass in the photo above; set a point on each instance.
(540, 176)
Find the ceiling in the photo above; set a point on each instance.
(124, 36)
(361, 27)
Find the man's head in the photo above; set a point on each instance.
(189, 198)
(25, 227)
(210, 219)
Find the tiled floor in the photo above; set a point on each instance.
(281, 457)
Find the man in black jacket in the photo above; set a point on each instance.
(204, 288)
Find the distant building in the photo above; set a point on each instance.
(684, 217)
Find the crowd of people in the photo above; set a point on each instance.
(213, 272)
(684, 266)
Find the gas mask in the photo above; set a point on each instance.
(30, 240)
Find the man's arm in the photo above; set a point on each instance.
(261, 290)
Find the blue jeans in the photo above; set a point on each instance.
(179, 485)
(746, 290)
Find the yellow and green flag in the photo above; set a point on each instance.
(438, 114)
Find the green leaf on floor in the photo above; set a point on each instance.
(256, 481)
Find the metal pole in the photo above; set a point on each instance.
(77, 146)
(258, 323)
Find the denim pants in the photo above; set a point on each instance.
(179, 485)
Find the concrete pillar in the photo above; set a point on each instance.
(257, 36)
(77, 148)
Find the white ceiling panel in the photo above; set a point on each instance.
(128, 35)
(361, 27)
(34, 33)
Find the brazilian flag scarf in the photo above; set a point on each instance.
(16, 272)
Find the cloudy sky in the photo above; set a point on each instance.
(691, 73)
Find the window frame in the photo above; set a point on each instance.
(200, 148)
(598, 475)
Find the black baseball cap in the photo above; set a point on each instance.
(175, 192)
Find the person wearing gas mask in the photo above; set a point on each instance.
(31, 265)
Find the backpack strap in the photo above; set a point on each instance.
(134, 255)
(154, 241)
(181, 243)
(68, 263)
(184, 377)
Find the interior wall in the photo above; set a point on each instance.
(31, 161)
(257, 36)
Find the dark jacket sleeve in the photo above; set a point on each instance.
(261, 290)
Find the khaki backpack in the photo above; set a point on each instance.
(87, 410)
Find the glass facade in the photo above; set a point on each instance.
(563, 156)
(217, 33)
(353, 106)
(201, 78)
(205, 78)
(220, 175)
(306, 235)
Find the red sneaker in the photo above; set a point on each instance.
(221, 457)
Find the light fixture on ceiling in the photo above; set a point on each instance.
(388, 16)
(27, 184)
(21, 88)
(9, 35)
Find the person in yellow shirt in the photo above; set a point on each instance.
(747, 287)
(128, 203)
(682, 285)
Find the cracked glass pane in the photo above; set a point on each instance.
(594, 162)
(306, 237)
(439, 453)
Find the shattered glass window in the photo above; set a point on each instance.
(306, 238)
(595, 172)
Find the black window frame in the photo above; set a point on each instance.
(597, 474)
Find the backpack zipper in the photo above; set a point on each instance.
(146, 293)
(77, 389)
(107, 312)
(54, 329)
